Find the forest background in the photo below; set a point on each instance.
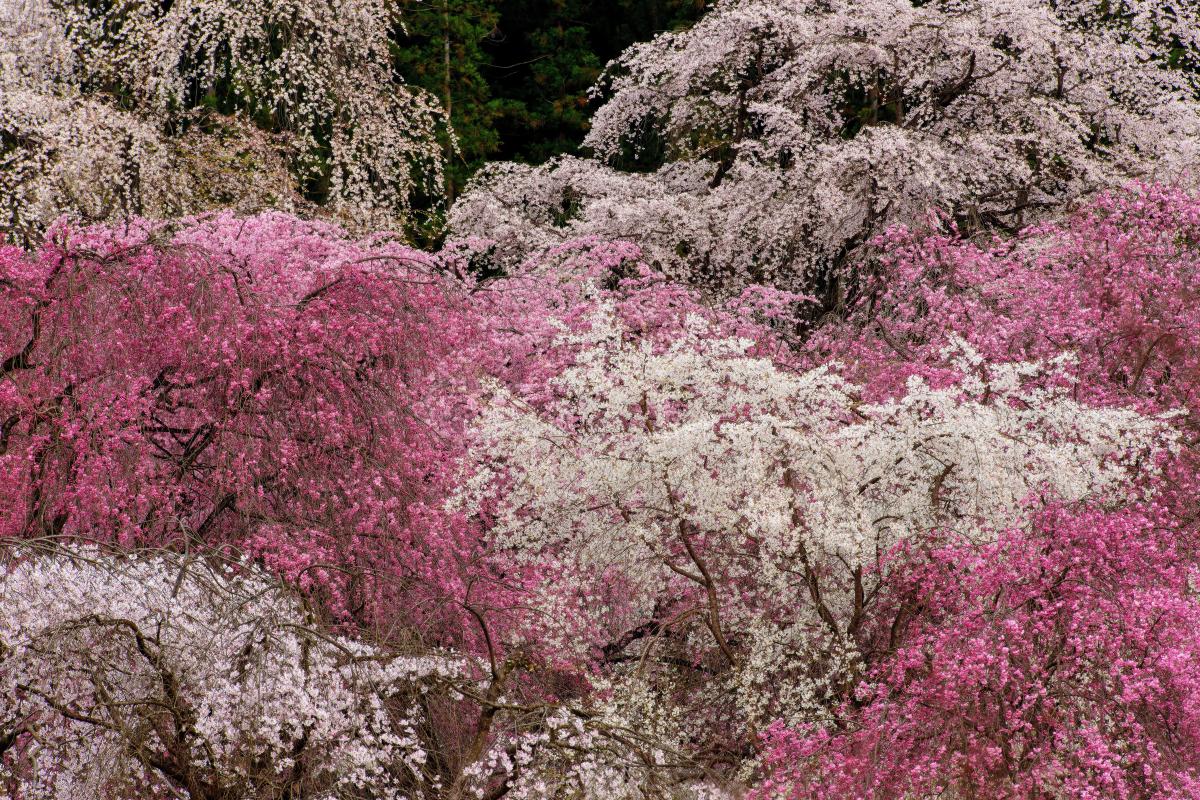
(516, 75)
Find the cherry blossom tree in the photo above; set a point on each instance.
(1114, 283)
(128, 676)
(264, 383)
(99, 106)
(714, 528)
(1055, 662)
(770, 142)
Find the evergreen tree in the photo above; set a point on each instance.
(547, 55)
(440, 49)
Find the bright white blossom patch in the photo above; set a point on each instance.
(168, 674)
(697, 478)
(772, 140)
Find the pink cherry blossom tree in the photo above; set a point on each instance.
(261, 383)
(1055, 662)
(1114, 284)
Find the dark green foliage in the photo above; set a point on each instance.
(548, 53)
(515, 74)
(441, 49)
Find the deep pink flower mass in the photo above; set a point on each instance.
(258, 382)
(1054, 662)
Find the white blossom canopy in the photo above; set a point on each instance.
(773, 139)
(123, 675)
(98, 111)
(703, 474)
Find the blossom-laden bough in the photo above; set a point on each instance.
(169, 676)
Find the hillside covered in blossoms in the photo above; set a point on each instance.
(552, 400)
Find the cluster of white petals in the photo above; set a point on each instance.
(769, 497)
(125, 675)
(773, 139)
(605, 755)
(81, 157)
(98, 111)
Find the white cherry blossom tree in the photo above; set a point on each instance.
(727, 520)
(166, 676)
(773, 139)
(98, 111)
